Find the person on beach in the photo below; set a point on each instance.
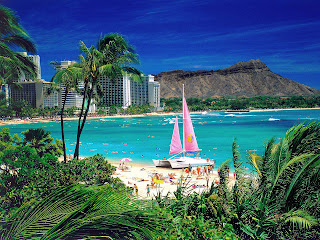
(205, 170)
(136, 189)
(198, 170)
(152, 182)
(190, 168)
(148, 190)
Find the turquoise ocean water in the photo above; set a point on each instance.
(145, 138)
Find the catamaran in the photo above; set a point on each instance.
(190, 145)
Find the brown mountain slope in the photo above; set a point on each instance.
(252, 78)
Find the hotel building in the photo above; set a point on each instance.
(31, 90)
(51, 100)
(124, 92)
(116, 92)
(74, 99)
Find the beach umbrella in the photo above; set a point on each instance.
(125, 160)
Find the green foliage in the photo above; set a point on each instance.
(138, 109)
(23, 175)
(42, 141)
(29, 168)
(93, 170)
(197, 228)
(22, 108)
(77, 213)
(112, 110)
(284, 195)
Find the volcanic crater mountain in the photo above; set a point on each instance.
(252, 78)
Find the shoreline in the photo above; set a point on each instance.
(27, 121)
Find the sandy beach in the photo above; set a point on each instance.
(141, 175)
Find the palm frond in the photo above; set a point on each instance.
(111, 71)
(134, 73)
(9, 22)
(300, 219)
(76, 213)
(224, 179)
(21, 41)
(255, 161)
(313, 162)
(304, 138)
(266, 165)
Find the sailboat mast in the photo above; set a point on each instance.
(183, 147)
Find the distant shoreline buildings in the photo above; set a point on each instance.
(121, 92)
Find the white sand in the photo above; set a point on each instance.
(141, 176)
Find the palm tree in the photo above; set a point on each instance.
(113, 58)
(67, 81)
(12, 64)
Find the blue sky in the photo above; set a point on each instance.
(189, 34)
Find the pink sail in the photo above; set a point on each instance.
(190, 141)
(175, 146)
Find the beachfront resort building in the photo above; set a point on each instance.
(51, 100)
(74, 99)
(116, 92)
(30, 90)
(124, 92)
(153, 92)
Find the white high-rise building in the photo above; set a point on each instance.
(59, 65)
(153, 92)
(116, 92)
(36, 60)
(31, 89)
(51, 100)
(124, 91)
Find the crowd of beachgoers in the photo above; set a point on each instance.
(147, 181)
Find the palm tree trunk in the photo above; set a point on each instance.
(86, 112)
(80, 128)
(62, 128)
(76, 151)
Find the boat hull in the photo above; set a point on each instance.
(161, 163)
(183, 162)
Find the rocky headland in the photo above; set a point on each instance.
(252, 78)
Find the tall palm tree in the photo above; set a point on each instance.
(113, 58)
(65, 80)
(12, 64)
